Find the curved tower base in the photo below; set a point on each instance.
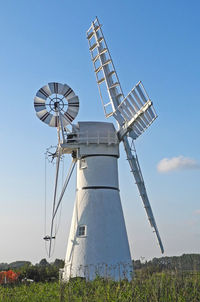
(98, 243)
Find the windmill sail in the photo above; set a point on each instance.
(106, 75)
(134, 113)
(135, 169)
(137, 111)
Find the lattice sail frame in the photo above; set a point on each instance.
(137, 110)
(104, 69)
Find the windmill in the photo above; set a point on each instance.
(97, 243)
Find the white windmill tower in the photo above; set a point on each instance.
(97, 242)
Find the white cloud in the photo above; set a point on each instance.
(177, 163)
(197, 212)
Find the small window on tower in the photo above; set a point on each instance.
(83, 163)
(82, 230)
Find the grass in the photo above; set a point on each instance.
(145, 287)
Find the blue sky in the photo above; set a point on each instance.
(153, 41)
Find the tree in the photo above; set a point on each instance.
(43, 262)
(59, 263)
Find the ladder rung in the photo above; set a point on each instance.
(107, 62)
(100, 39)
(104, 64)
(103, 51)
(97, 56)
(111, 73)
(105, 105)
(90, 35)
(97, 27)
(101, 80)
(93, 46)
(119, 95)
(98, 69)
(109, 114)
(114, 85)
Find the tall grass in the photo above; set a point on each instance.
(147, 287)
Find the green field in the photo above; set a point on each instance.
(149, 287)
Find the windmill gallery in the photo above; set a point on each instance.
(98, 242)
